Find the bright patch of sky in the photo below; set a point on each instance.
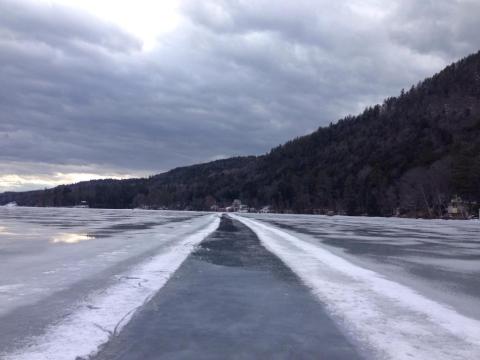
(145, 19)
(19, 182)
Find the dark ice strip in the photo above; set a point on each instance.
(231, 299)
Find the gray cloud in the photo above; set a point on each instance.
(448, 28)
(234, 78)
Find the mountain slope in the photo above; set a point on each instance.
(409, 155)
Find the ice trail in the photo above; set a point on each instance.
(82, 333)
(388, 320)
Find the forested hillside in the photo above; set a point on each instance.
(409, 155)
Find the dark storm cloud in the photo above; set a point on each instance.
(234, 78)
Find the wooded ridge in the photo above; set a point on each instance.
(408, 156)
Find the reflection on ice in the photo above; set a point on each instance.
(3, 231)
(71, 238)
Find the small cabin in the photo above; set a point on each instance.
(83, 205)
(266, 209)
(457, 208)
(243, 209)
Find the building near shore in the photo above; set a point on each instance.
(83, 205)
(457, 209)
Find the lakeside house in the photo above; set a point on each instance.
(237, 206)
(457, 209)
(83, 205)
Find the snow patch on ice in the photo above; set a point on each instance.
(104, 314)
(4, 231)
(386, 318)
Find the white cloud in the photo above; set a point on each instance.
(16, 182)
(146, 19)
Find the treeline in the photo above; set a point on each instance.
(407, 156)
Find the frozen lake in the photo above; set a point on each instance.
(89, 283)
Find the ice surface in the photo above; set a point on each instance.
(52, 266)
(386, 318)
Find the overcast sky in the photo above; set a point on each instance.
(93, 88)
